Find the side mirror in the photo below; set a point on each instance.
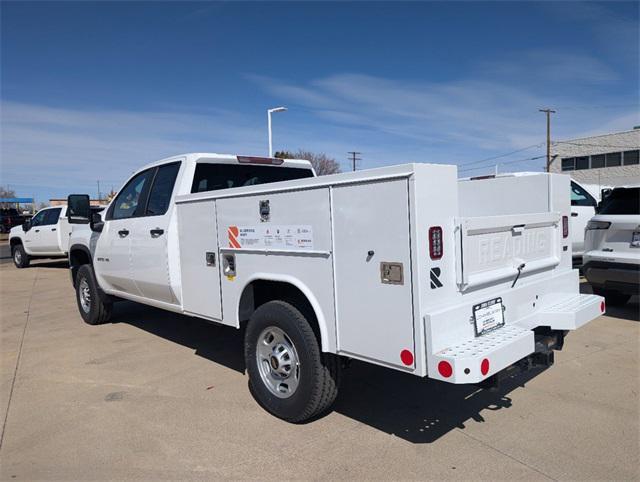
(96, 223)
(26, 226)
(78, 209)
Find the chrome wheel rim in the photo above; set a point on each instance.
(17, 256)
(84, 293)
(278, 362)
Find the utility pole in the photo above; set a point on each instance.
(354, 157)
(548, 112)
(98, 181)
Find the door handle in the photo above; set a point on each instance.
(123, 233)
(574, 215)
(156, 232)
(37, 230)
(53, 229)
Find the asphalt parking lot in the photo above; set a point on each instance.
(159, 396)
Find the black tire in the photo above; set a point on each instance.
(319, 372)
(20, 257)
(93, 306)
(613, 298)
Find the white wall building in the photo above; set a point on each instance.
(606, 160)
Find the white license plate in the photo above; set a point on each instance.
(635, 239)
(488, 316)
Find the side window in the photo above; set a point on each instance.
(126, 203)
(580, 197)
(51, 216)
(162, 188)
(38, 219)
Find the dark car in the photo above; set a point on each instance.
(10, 217)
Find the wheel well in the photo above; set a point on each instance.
(259, 292)
(15, 241)
(77, 257)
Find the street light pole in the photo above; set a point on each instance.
(269, 112)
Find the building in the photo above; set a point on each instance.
(607, 160)
(92, 202)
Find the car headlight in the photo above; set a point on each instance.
(598, 225)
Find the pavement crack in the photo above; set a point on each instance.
(18, 358)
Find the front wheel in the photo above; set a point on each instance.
(20, 257)
(613, 298)
(288, 374)
(93, 308)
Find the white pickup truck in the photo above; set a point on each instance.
(403, 266)
(45, 235)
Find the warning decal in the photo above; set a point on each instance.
(271, 237)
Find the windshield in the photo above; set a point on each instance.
(211, 177)
(622, 201)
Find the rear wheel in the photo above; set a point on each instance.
(288, 374)
(613, 298)
(20, 257)
(93, 308)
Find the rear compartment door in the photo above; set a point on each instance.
(492, 248)
(373, 284)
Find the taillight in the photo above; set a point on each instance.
(565, 226)
(260, 160)
(435, 242)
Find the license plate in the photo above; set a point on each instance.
(488, 316)
(635, 239)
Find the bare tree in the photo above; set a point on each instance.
(5, 192)
(321, 163)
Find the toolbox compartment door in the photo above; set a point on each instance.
(374, 308)
(492, 248)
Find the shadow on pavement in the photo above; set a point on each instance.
(418, 410)
(629, 311)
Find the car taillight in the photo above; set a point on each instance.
(598, 225)
(565, 226)
(435, 242)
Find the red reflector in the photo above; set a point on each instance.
(435, 242)
(445, 369)
(407, 357)
(484, 366)
(565, 226)
(602, 306)
(259, 160)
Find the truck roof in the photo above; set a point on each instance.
(214, 158)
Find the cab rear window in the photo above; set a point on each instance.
(621, 201)
(212, 177)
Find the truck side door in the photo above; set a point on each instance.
(150, 237)
(48, 235)
(583, 208)
(32, 237)
(112, 259)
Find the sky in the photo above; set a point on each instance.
(92, 91)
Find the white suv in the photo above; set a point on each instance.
(611, 261)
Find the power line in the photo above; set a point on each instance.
(540, 144)
(593, 145)
(515, 161)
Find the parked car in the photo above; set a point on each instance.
(10, 217)
(611, 261)
(45, 235)
(403, 266)
(583, 208)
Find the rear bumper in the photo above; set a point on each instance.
(477, 359)
(617, 276)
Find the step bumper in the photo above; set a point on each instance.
(477, 359)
